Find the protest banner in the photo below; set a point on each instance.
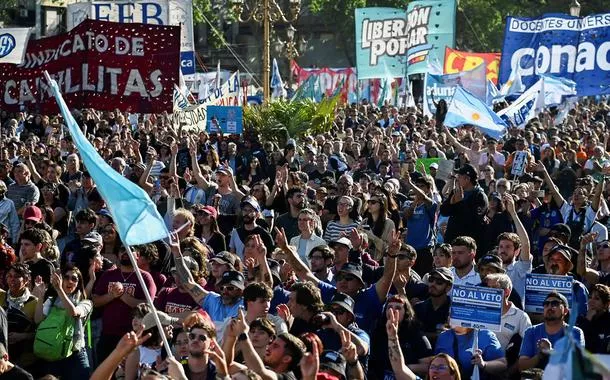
(518, 168)
(13, 42)
(525, 107)
(445, 169)
(561, 45)
(457, 61)
(98, 64)
(538, 286)
(442, 86)
(430, 28)
(225, 119)
(382, 38)
(155, 12)
(476, 307)
(329, 80)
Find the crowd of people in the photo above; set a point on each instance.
(331, 256)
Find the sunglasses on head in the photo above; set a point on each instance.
(193, 336)
(553, 303)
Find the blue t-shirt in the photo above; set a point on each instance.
(581, 296)
(421, 226)
(280, 296)
(218, 311)
(533, 334)
(367, 308)
(546, 217)
(488, 343)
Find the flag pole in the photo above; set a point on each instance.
(149, 300)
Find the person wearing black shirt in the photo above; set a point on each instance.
(433, 312)
(10, 371)
(31, 245)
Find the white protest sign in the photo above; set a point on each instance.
(519, 163)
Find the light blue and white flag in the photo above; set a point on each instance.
(180, 100)
(467, 109)
(555, 88)
(525, 107)
(493, 94)
(277, 85)
(514, 85)
(13, 43)
(135, 215)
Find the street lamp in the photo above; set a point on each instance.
(575, 8)
(267, 13)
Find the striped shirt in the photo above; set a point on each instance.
(335, 230)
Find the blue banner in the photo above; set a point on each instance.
(437, 87)
(538, 286)
(564, 46)
(229, 119)
(476, 307)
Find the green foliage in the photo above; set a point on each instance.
(274, 119)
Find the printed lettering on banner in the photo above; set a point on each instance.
(538, 286)
(564, 46)
(99, 65)
(476, 307)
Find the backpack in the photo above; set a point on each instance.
(54, 337)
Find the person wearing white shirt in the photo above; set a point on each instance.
(491, 157)
(463, 251)
(307, 239)
(514, 250)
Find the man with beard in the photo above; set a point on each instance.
(433, 312)
(117, 293)
(321, 170)
(250, 210)
(289, 221)
(538, 340)
(463, 251)
(321, 260)
(201, 338)
(561, 265)
(282, 355)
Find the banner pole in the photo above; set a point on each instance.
(149, 300)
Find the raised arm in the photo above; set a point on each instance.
(456, 144)
(201, 181)
(251, 358)
(524, 254)
(300, 268)
(195, 290)
(400, 369)
(557, 197)
(389, 269)
(597, 197)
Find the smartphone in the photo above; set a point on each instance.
(541, 193)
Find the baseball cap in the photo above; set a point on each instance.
(334, 361)
(105, 212)
(353, 269)
(32, 213)
(211, 211)
(223, 169)
(491, 260)
(559, 296)
(225, 257)
(93, 238)
(444, 274)
(234, 278)
(564, 250)
(342, 240)
(190, 263)
(433, 165)
(468, 170)
(251, 201)
(344, 301)
(149, 320)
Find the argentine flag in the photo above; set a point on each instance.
(467, 109)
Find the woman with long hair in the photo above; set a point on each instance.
(255, 172)
(206, 228)
(380, 227)
(413, 343)
(212, 158)
(67, 292)
(111, 243)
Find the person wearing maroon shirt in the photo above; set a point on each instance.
(118, 292)
(176, 301)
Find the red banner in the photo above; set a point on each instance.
(456, 61)
(98, 64)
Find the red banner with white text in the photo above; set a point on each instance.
(457, 61)
(98, 64)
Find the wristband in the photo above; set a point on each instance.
(242, 337)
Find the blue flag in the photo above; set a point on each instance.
(135, 215)
(467, 109)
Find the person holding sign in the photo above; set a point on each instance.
(560, 264)
(538, 340)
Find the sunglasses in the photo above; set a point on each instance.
(372, 201)
(345, 278)
(552, 303)
(73, 278)
(440, 367)
(228, 288)
(193, 336)
(337, 310)
(603, 245)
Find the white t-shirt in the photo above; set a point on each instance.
(514, 321)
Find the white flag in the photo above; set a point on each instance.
(525, 107)
(13, 43)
